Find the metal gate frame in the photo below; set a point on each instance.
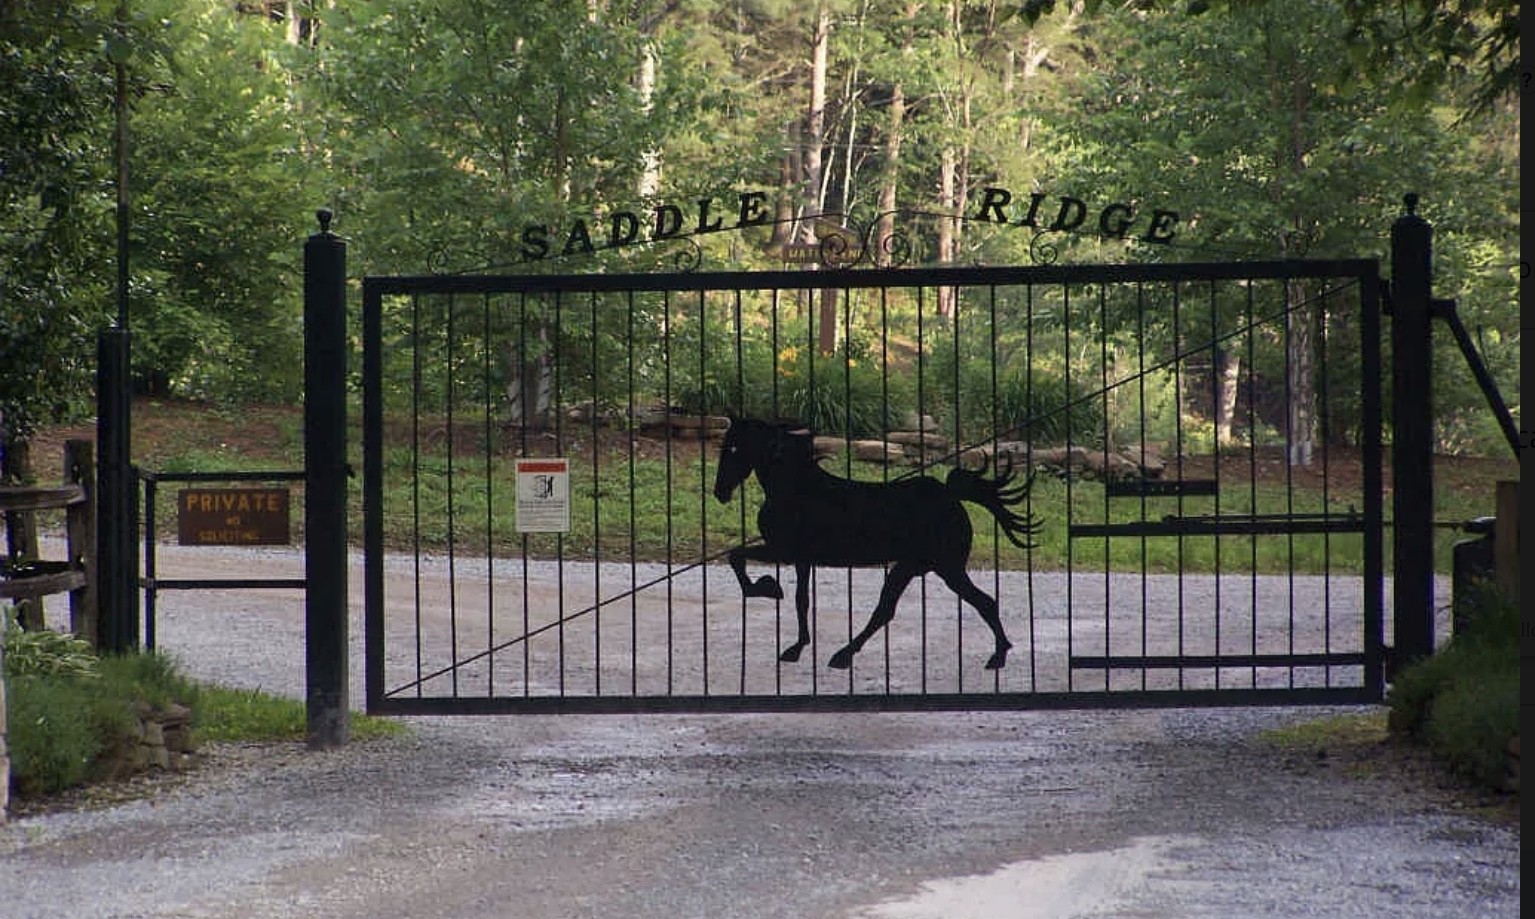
(1369, 657)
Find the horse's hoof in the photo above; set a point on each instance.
(841, 660)
(790, 654)
(997, 661)
(767, 586)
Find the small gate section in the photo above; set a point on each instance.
(1204, 442)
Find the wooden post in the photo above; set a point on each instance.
(21, 530)
(5, 756)
(80, 530)
(1505, 539)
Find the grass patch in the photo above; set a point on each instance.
(1463, 702)
(253, 716)
(72, 714)
(1353, 730)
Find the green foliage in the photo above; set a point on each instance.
(1243, 122)
(149, 677)
(1463, 702)
(223, 204)
(55, 96)
(69, 708)
(46, 653)
(52, 738)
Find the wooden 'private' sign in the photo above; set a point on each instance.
(232, 516)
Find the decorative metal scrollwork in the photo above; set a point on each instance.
(1042, 251)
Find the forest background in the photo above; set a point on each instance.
(439, 130)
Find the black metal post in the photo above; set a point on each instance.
(1412, 441)
(116, 533)
(150, 571)
(325, 524)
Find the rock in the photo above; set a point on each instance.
(827, 446)
(928, 439)
(877, 451)
(976, 458)
(917, 422)
(174, 715)
(179, 739)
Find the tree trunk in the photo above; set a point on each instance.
(650, 171)
(947, 231)
(815, 125)
(1301, 383)
(884, 228)
(1227, 373)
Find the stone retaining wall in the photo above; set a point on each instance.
(161, 740)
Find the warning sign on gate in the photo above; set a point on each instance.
(543, 495)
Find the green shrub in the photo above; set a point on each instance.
(53, 739)
(44, 652)
(1463, 702)
(68, 708)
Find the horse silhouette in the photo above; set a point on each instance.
(810, 517)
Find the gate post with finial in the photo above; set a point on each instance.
(1412, 439)
(325, 490)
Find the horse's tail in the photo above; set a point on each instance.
(999, 494)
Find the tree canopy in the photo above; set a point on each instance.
(440, 130)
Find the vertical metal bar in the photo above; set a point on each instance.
(1290, 452)
(1108, 565)
(325, 490)
(811, 315)
(1252, 486)
(666, 388)
(450, 395)
(150, 590)
(522, 450)
(700, 441)
(740, 334)
(777, 569)
(416, 396)
(847, 425)
(1373, 498)
(1412, 436)
(373, 492)
(632, 446)
(1140, 376)
(921, 434)
(597, 603)
(1180, 361)
(490, 445)
(996, 527)
(1215, 461)
(1027, 432)
(884, 425)
(958, 442)
(556, 402)
(1324, 397)
(1070, 509)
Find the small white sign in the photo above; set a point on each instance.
(543, 495)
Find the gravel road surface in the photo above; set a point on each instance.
(1176, 813)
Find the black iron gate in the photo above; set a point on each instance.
(539, 453)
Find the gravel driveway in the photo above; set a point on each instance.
(1177, 813)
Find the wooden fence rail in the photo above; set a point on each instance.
(26, 578)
